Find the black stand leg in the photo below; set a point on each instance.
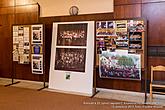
(43, 87)
(94, 94)
(145, 100)
(12, 83)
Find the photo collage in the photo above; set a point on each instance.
(125, 35)
(119, 34)
(21, 44)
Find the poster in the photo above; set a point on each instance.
(21, 44)
(70, 59)
(72, 34)
(105, 28)
(106, 43)
(15, 52)
(26, 34)
(15, 43)
(15, 28)
(15, 40)
(121, 26)
(136, 26)
(36, 49)
(37, 64)
(120, 65)
(37, 34)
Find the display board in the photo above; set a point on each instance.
(21, 44)
(126, 36)
(28, 46)
(72, 52)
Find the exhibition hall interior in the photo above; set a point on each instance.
(82, 54)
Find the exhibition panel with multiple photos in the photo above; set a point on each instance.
(28, 48)
(121, 54)
(72, 57)
(116, 48)
(120, 47)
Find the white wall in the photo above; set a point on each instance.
(61, 7)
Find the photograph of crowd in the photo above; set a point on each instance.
(70, 59)
(72, 34)
(120, 66)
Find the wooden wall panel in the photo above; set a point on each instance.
(27, 9)
(152, 1)
(127, 11)
(126, 2)
(7, 10)
(6, 3)
(5, 44)
(26, 18)
(25, 2)
(154, 13)
(155, 61)
(25, 14)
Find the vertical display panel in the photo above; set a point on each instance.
(72, 57)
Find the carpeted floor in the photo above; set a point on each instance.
(13, 98)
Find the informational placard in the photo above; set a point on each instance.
(37, 34)
(71, 67)
(37, 64)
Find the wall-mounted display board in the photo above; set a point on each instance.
(28, 46)
(120, 48)
(71, 67)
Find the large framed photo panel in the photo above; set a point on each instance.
(72, 57)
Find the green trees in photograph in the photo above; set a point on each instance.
(125, 61)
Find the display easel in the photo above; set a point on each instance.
(142, 51)
(43, 49)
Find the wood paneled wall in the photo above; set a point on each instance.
(15, 12)
(152, 10)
